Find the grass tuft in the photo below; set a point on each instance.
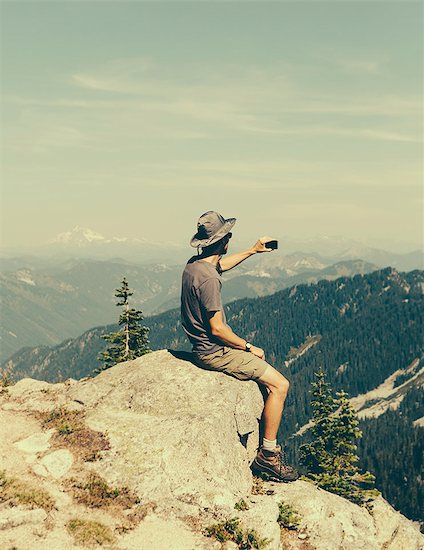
(230, 530)
(72, 432)
(135, 517)
(62, 419)
(15, 492)
(258, 487)
(241, 505)
(288, 517)
(6, 377)
(95, 492)
(90, 533)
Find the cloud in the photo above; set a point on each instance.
(131, 101)
(254, 99)
(360, 66)
(383, 105)
(99, 84)
(357, 133)
(117, 75)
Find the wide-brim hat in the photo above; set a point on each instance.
(211, 227)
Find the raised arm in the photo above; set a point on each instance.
(234, 259)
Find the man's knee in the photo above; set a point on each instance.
(283, 386)
(275, 382)
(280, 386)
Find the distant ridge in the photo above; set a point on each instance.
(43, 306)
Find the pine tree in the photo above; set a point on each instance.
(331, 457)
(316, 455)
(131, 339)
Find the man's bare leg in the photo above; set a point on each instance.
(269, 459)
(277, 386)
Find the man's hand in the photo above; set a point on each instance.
(260, 244)
(258, 352)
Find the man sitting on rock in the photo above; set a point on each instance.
(216, 346)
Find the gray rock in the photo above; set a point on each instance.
(55, 464)
(183, 438)
(160, 533)
(332, 522)
(13, 517)
(27, 386)
(35, 443)
(262, 515)
(175, 429)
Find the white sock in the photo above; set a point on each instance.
(269, 444)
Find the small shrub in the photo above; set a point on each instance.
(65, 429)
(90, 533)
(135, 517)
(16, 491)
(258, 487)
(241, 505)
(348, 488)
(64, 420)
(231, 530)
(288, 516)
(74, 434)
(6, 377)
(3, 479)
(95, 492)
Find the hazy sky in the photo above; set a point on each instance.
(133, 118)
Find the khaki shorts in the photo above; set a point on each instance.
(241, 364)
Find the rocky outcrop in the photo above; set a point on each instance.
(181, 439)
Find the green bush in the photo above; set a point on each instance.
(231, 530)
(288, 516)
(241, 505)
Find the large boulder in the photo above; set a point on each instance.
(182, 438)
(177, 431)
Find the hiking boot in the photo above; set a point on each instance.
(271, 464)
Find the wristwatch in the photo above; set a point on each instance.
(248, 347)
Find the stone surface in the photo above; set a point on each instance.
(332, 522)
(182, 438)
(31, 537)
(163, 534)
(13, 517)
(155, 408)
(55, 464)
(262, 515)
(36, 443)
(26, 387)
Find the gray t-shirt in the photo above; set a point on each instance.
(200, 293)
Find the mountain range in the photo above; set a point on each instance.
(58, 290)
(43, 306)
(365, 331)
(83, 242)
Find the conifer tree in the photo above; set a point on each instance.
(331, 457)
(131, 339)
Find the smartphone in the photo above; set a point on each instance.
(272, 244)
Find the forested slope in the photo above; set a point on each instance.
(362, 330)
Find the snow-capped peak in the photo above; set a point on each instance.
(79, 236)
